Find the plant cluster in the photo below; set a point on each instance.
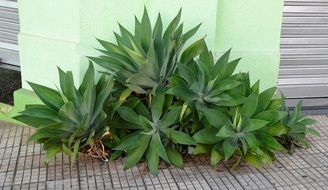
(159, 101)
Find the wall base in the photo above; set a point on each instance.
(22, 97)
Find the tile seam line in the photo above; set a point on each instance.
(262, 173)
(207, 182)
(16, 164)
(10, 155)
(2, 134)
(234, 176)
(77, 170)
(175, 181)
(110, 175)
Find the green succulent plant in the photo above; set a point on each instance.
(164, 102)
(70, 118)
(247, 130)
(204, 84)
(297, 128)
(144, 61)
(154, 133)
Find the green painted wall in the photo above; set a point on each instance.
(49, 36)
(252, 29)
(61, 33)
(68, 31)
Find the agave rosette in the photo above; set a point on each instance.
(297, 126)
(247, 131)
(153, 133)
(205, 85)
(144, 61)
(70, 118)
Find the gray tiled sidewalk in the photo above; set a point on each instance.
(22, 167)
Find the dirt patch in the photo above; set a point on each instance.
(10, 81)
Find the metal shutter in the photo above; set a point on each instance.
(9, 28)
(304, 52)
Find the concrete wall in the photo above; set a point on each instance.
(252, 29)
(61, 33)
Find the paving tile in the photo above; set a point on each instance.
(22, 167)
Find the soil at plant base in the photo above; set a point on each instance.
(10, 81)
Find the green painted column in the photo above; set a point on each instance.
(62, 33)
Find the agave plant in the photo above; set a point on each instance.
(162, 96)
(204, 85)
(70, 118)
(144, 61)
(154, 133)
(247, 131)
(297, 128)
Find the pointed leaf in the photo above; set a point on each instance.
(181, 92)
(190, 33)
(145, 28)
(230, 68)
(215, 117)
(47, 95)
(252, 142)
(254, 124)
(277, 130)
(171, 117)
(152, 156)
(34, 122)
(88, 79)
(207, 136)
(192, 51)
(129, 115)
(175, 158)
(230, 145)
(249, 107)
(142, 79)
(75, 151)
(130, 141)
(134, 155)
(265, 98)
(220, 65)
(215, 156)
(269, 142)
(102, 97)
(271, 115)
(157, 106)
(202, 149)
(225, 132)
(172, 27)
(52, 151)
(180, 137)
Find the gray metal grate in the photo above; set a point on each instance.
(9, 29)
(304, 51)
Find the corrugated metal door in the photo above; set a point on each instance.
(304, 52)
(9, 28)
